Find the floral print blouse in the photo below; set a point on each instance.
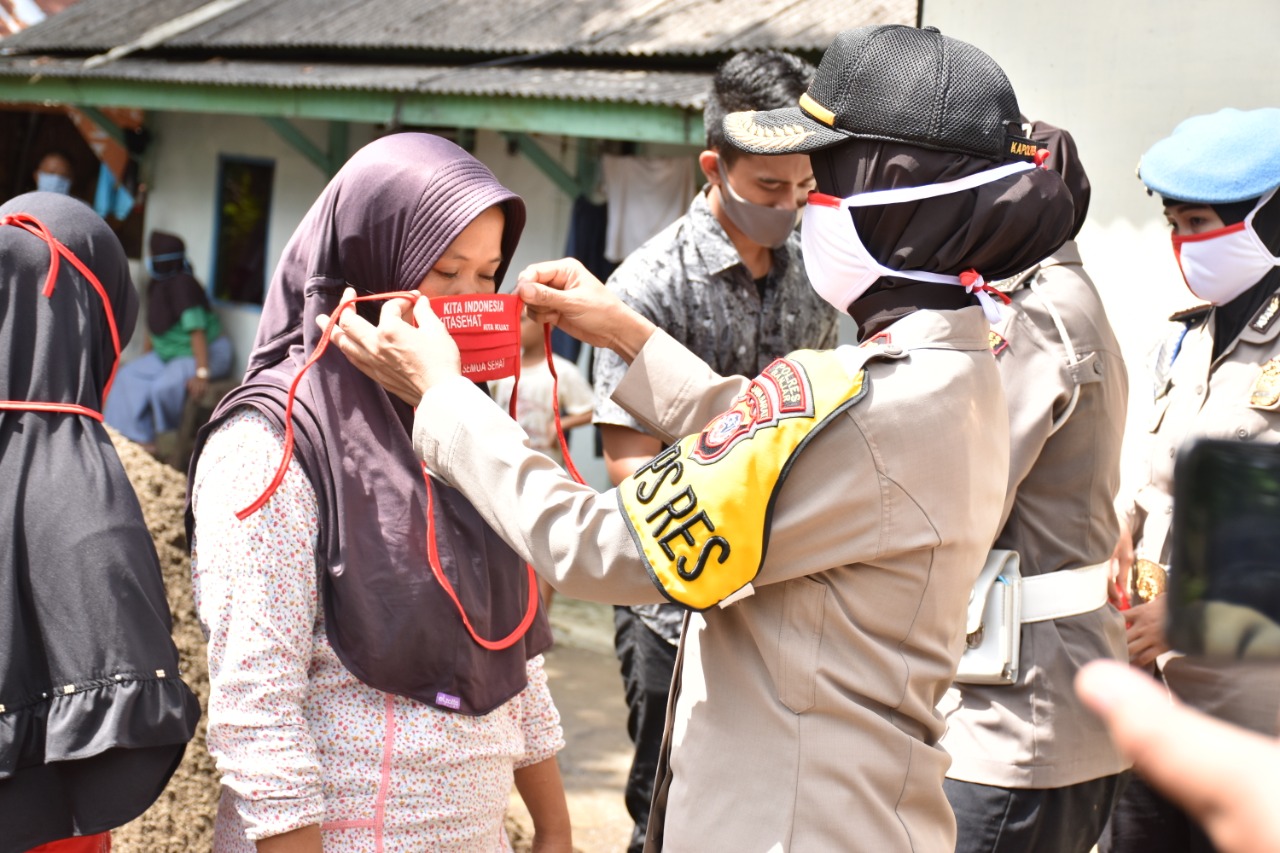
(297, 738)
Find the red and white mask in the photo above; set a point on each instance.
(841, 268)
(1221, 264)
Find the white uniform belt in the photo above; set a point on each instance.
(1066, 593)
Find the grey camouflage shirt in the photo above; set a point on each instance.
(691, 282)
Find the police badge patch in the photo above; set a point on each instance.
(781, 391)
(1266, 390)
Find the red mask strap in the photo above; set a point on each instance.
(974, 282)
(555, 405)
(31, 224)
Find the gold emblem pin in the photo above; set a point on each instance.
(1266, 390)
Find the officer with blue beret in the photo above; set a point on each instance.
(1218, 377)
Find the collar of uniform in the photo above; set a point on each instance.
(959, 329)
(1067, 255)
(715, 249)
(1264, 325)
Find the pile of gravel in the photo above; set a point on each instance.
(181, 820)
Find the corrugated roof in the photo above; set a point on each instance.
(640, 86)
(586, 27)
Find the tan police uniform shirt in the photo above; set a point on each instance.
(1058, 515)
(804, 716)
(1236, 397)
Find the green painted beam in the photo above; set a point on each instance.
(637, 122)
(545, 163)
(338, 133)
(106, 125)
(300, 143)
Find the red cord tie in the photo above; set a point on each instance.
(974, 283)
(1040, 157)
(433, 557)
(29, 223)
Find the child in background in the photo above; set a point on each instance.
(533, 402)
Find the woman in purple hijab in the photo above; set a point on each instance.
(349, 706)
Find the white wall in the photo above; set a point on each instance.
(1120, 76)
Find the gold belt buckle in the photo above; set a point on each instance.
(1148, 580)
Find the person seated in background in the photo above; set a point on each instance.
(184, 349)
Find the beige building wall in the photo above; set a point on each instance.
(1120, 74)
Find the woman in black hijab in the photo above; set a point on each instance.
(93, 714)
(347, 698)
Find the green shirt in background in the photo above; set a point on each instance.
(176, 340)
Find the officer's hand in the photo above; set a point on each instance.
(1227, 778)
(1145, 631)
(564, 293)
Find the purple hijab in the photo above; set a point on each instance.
(379, 226)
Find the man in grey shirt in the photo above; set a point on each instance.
(725, 280)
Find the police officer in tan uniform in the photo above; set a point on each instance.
(1030, 769)
(826, 520)
(1219, 378)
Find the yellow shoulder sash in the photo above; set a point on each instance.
(700, 511)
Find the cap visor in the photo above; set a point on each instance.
(785, 131)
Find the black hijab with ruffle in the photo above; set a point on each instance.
(379, 226)
(93, 715)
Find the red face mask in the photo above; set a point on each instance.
(486, 328)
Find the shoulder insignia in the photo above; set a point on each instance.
(1266, 314)
(879, 338)
(997, 343)
(781, 391)
(1266, 389)
(700, 512)
(1191, 316)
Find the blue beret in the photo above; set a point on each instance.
(1231, 155)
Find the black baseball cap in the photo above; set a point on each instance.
(898, 84)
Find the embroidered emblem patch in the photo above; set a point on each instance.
(781, 391)
(1266, 390)
(1267, 315)
(996, 342)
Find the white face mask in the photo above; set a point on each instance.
(1221, 264)
(841, 268)
(51, 182)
